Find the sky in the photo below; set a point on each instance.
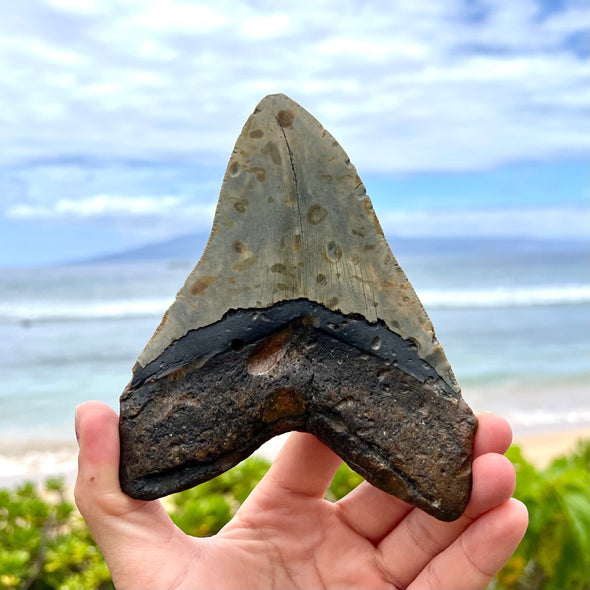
(117, 119)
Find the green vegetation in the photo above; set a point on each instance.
(555, 552)
(44, 543)
(204, 510)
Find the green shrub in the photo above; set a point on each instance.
(45, 544)
(202, 511)
(555, 552)
(344, 481)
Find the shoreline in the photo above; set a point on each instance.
(541, 448)
(38, 460)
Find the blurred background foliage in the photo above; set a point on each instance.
(45, 544)
(555, 552)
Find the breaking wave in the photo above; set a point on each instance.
(28, 312)
(544, 418)
(507, 296)
(59, 312)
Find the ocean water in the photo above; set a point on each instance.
(512, 316)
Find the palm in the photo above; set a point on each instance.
(287, 536)
(307, 545)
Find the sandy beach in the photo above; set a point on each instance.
(540, 449)
(38, 460)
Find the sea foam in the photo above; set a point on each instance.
(133, 308)
(59, 312)
(507, 296)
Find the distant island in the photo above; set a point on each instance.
(190, 247)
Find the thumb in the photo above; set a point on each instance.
(116, 521)
(97, 486)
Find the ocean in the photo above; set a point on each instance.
(512, 315)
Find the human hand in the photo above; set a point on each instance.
(286, 535)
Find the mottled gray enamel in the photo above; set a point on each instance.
(294, 221)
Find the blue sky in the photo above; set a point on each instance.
(118, 118)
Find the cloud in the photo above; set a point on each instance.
(568, 222)
(428, 85)
(146, 217)
(96, 206)
(121, 117)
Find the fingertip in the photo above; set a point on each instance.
(97, 427)
(494, 434)
(98, 433)
(494, 481)
(94, 407)
(489, 542)
(496, 468)
(94, 411)
(304, 465)
(521, 515)
(512, 519)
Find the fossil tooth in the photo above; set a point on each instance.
(297, 317)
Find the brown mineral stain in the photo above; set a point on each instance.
(282, 403)
(273, 151)
(239, 247)
(256, 134)
(316, 214)
(312, 321)
(225, 220)
(201, 284)
(332, 302)
(244, 264)
(280, 268)
(260, 174)
(297, 244)
(240, 206)
(285, 118)
(321, 279)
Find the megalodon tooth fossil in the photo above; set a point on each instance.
(297, 317)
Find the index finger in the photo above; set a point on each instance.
(374, 513)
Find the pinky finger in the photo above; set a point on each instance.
(479, 552)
